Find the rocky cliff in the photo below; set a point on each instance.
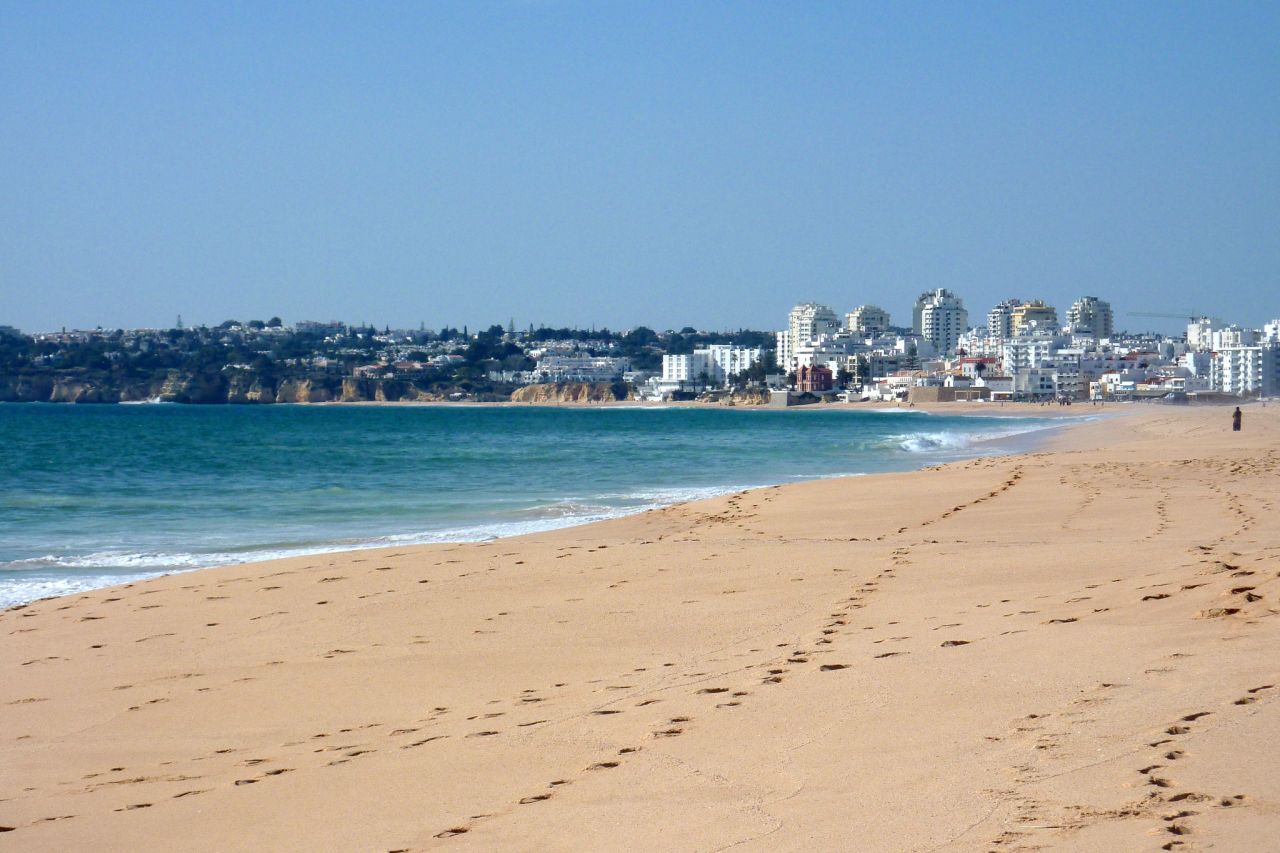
(571, 392)
(306, 391)
(748, 397)
(175, 386)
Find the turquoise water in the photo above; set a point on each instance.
(96, 495)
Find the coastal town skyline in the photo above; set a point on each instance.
(1021, 349)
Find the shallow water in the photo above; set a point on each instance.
(96, 495)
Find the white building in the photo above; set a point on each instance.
(1000, 319)
(712, 365)
(1246, 370)
(726, 360)
(827, 351)
(580, 368)
(1027, 352)
(940, 317)
(1092, 316)
(677, 369)
(1232, 336)
(1197, 363)
(1034, 318)
(806, 322)
(867, 321)
(1036, 382)
(1199, 332)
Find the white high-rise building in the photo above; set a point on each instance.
(809, 320)
(1232, 336)
(940, 318)
(1246, 370)
(1200, 332)
(1000, 319)
(1034, 317)
(1093, 316)
(806, 322)
(867, 321)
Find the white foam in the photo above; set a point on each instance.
(950, 440)
(33, 589)
(927, 442)
(568, 512)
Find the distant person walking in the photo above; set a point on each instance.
(1235, 420)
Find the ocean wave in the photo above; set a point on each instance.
(64, 574)
(927, 442)
(953, 440)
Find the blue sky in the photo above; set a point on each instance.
(618, 164)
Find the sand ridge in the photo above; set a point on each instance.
(1069, 649)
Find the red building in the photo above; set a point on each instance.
(813, 379)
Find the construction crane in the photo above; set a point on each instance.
(1188, 316)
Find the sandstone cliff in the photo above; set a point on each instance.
(572, 392)
(179, 387)
(247, 389)
(749, 397)
(238, 387)
(304, 391)
(75, 391)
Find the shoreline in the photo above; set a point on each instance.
(976, 447)
(1014, 409)
(938, 646)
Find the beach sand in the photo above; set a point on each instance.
(1071, 649)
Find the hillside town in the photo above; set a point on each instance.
(1024, 351)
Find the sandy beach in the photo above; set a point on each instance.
(1070, 649)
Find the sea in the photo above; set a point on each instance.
(92, 496)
